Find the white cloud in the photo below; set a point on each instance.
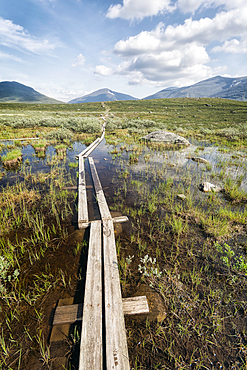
(143, 43)
(15, 36)
(139, 9)
(181, 52)
(233, 46)
(103, 70)
(206, 30)
(192, 5)
(162, 66)
(225, 25)
(79, 61)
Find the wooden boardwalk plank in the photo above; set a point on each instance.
(88, 148)
(82, 195)
(116, 343)
(91, 335)
(116, 220)
(103, 207)
(94, 146)
(86, 152)
(135, 305)
(71, 313)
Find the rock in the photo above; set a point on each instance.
(181, 196)
(206, 187)
(166, 137)
(162, 212)
(76, 237)
(200, 160)
(208, 105)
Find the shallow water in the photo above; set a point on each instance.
(176, 164)
(148, 175)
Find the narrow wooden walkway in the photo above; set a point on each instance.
(114, 327)
(103, 336)
(91, 348)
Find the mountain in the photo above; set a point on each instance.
(14, 92)
(163, 94)
(215, 87)
(102, 95)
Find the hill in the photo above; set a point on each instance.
(14, 92)
(102, 95)
(215, 87)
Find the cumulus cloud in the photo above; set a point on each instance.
(103, 70)
(204, 31)
(182, 51)
(139, 9)
(192, 5)
(167, 64)
(233, 46)
(201, 32)
(15, 36)
(79, 61)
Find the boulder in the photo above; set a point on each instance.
(200, 160)
(182, 196)
(206, 187)
(166, 137)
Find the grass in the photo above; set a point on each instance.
(13, 154)
(40, 144)
(32, 227)
(201, 284)
(188, 255)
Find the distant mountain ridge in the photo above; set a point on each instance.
(215, 87)
(102, 95)
(15, 92)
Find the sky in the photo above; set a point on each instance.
(68, 48)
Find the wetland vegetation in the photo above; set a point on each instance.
(185, 249)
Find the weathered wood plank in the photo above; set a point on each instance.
(120, 219)
(68, 314)
(135, 305)
(90, 150)
(87, 148)
(72, 313)
(115, 220)
(91, 335)
(103, 207)
(116, 343)
(82, 195)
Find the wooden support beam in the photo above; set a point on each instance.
(103, 207)
(117, 357)
(120, 219)
(115, 220)
(71, 313)
(91, 335)
(82, 196)
(135, 306)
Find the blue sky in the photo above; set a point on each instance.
(68, 48)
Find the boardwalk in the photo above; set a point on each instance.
(112, 313)
(103, 336)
